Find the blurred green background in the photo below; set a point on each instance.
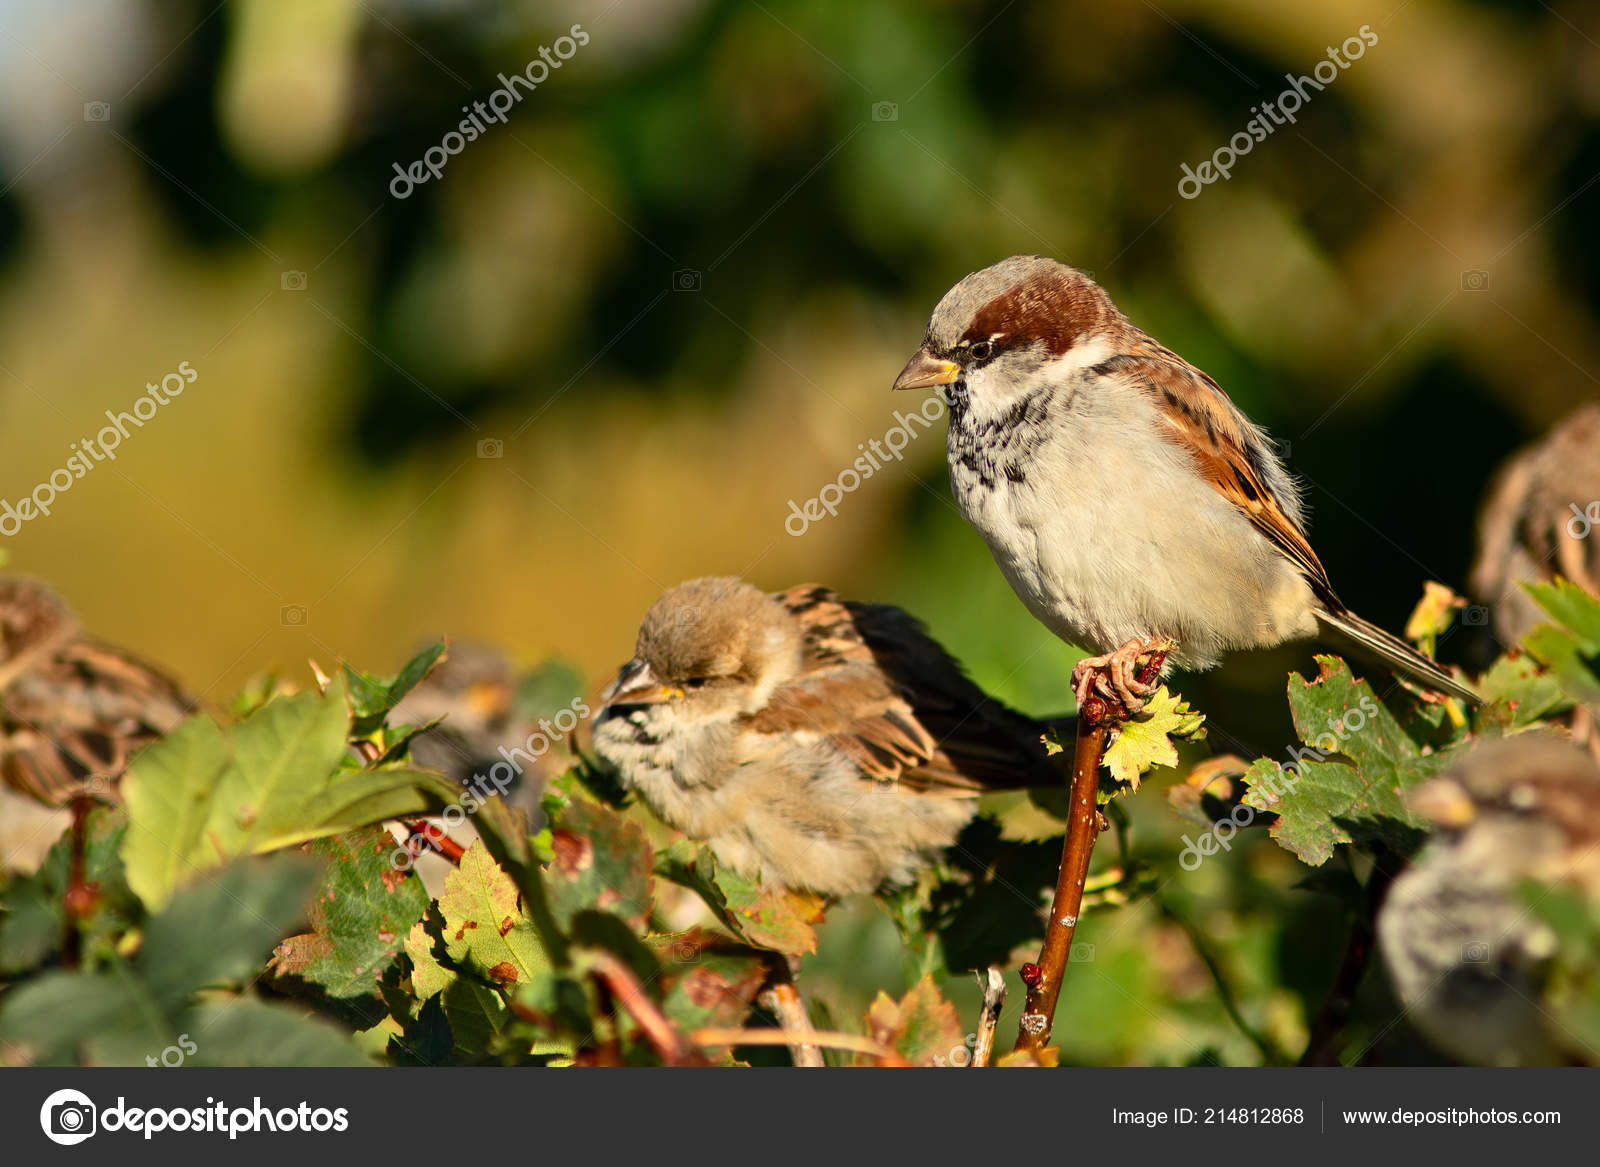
(608, 344)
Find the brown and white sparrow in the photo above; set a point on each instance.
(72, 710)
(1124, 496)
(817, 744)
(1541, 518)
(1466, 953)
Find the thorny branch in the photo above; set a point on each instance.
(1043, 981)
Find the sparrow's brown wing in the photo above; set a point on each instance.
(1227, 451)
(69, 723)
(886, 695)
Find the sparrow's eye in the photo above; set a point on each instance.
(694, 682)
(982, 350)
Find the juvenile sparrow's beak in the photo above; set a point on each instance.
(637, 685)
(1445, 802)
(924, 370)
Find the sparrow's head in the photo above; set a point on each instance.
(718, 644)
(32, 617)
(1001, 330)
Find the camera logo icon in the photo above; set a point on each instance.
(686, 279)
(885, 111)
(97, 111)
(1081, 954)
(292, 616)
(1475, 952)
(1474, 615)
(292, 281)
(491, 448)
(68, 1117)
(1474, 281)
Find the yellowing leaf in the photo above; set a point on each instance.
(484, 926)
(1146, 741)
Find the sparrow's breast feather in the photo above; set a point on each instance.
(1106, 531)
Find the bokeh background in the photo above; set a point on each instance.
(605, 348)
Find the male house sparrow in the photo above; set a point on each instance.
(817, 744)
(1466, 953)
(1539, 520)
(72, 710)
(1125, 498)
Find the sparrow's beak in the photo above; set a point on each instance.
(637, 685)
(1445, 802)
(924, 370)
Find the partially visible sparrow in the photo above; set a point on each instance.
(1466, 953)
(1124, 497)
(1541, 519)
(816, 744)
(72, 710)
(473, 695)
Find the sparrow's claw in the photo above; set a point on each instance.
(1115, 675)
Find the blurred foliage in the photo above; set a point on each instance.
(607, 345)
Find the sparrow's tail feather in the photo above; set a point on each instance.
(1394, 653)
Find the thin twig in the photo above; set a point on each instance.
(783, 998)
(1270, 1053)
(1335, 1012)
(629, 993)
(850, 1042)
(993, 984)
(434, 838)
(1084, 820)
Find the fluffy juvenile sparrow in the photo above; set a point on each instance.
(1124, 497)
(1541, 518)
(817, 744)
(72, 710)
(1466, 954)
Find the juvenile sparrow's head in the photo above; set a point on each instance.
(1000, 329)
(716, 645)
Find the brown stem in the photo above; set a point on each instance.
(1322, 1045)
(81, 895)
(1095, 720)
(435, 839)
(783, 998)
(993, 984)
(628, 992)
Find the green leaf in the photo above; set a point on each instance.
(1517, 692)
(601, 860)
(764, 917)
(222, 929)
(77, 1018)
(1145, 741)
(207, 794)
(1348, 783)
(709, 983)
(359, 920)
(372, 698)
(248, 1032)
(1570, 651)
(921, 1027)
(484, 925)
